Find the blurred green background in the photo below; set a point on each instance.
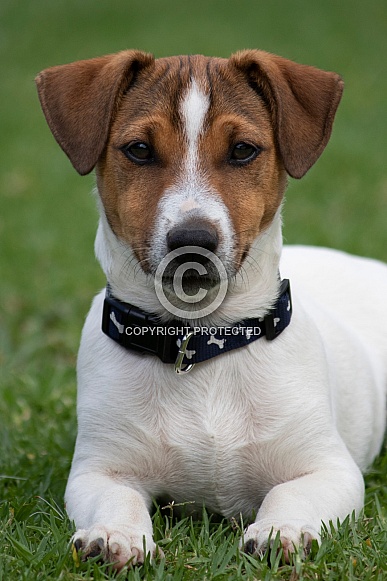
(47, 216)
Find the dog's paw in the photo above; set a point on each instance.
(117, 546)
(261, 535)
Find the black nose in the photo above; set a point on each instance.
(193, 234)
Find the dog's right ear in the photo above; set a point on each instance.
(79, 101)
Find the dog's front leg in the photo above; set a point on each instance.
(297, 508)
(112, 519)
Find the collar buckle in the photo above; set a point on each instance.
(181, 353)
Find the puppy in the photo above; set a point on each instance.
(252, 403)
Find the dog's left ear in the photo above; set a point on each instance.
(302, 100)
(79, 101)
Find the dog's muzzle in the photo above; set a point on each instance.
(194, 267)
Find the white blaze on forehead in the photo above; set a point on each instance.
(194, 109)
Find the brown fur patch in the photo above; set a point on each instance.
(95, 107)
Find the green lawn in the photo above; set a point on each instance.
(49, 275)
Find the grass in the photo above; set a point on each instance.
(36, 538)
(48, 274)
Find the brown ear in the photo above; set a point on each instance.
(79, 102)
(302, 100)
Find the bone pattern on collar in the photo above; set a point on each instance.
(136, 330)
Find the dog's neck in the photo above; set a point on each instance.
(251, 293)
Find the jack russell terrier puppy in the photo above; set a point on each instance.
(200, 378)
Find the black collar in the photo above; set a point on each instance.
(178, 343)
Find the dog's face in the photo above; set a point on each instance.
(198, 169)
(190, 151)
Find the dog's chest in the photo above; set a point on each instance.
(206, 440)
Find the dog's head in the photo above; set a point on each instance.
(190, 151)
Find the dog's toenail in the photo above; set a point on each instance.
(307, 543)
(78, 545)
(95, 549)
(250, 547)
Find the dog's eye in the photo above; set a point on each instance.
(243, 153)
(138, 151)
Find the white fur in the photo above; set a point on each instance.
(283, 427)
(194, 109)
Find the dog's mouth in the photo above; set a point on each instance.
(189, 274)
(190, 285)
